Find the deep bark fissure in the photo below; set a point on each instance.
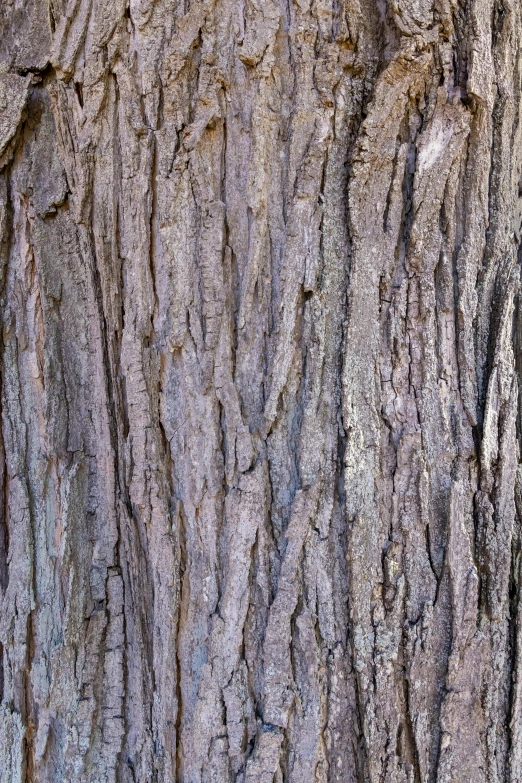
(260, 392)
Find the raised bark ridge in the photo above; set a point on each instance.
(260, 425)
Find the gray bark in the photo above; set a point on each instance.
(260, 413)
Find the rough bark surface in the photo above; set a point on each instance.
(260, 486)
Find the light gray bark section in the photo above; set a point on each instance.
(261, 342)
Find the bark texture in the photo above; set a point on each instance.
(260, 483)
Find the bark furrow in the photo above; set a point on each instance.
(260, 415)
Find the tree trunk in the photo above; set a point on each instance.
(260, 342)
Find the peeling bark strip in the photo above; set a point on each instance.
(261, 336)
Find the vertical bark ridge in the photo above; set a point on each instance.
(260, 391)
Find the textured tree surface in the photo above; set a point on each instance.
(260, 338)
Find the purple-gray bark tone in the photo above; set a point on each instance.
(260, 342)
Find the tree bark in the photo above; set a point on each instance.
(260, 414)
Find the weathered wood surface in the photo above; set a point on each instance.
(260, 347)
